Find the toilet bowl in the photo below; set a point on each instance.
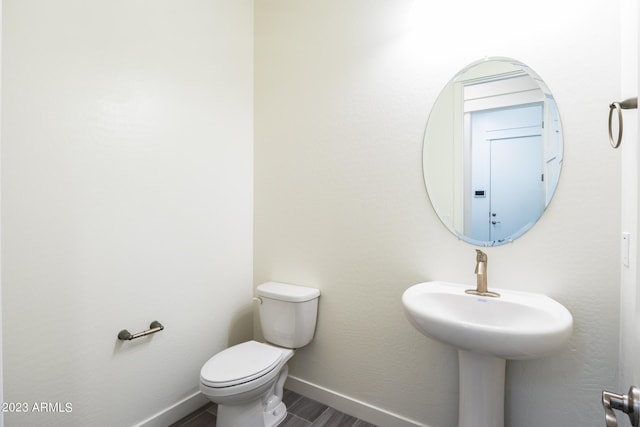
(247, 380)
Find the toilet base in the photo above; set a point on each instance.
(248, 414)
(251, 414)
(276, 416)
(268, 411)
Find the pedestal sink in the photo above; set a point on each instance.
(487, 331)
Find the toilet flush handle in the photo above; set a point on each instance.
(627, 403)
(258, 299)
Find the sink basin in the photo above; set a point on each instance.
(516, 325)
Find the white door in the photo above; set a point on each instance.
(629, 152)
(507, 191)
(516, 185)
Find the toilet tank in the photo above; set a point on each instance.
(288, 313)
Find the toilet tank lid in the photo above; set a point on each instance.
(286, 292)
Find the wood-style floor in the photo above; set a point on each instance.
(301, 412)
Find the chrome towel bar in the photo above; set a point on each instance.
(627, 104)
(125, 335)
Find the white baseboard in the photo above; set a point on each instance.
(176, 411)
(348, 405)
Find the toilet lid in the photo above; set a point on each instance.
(239, 364)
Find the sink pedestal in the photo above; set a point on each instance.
(481, 401)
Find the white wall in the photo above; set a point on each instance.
(127, 198)
(343, 90)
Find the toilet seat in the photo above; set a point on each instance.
(240, 364)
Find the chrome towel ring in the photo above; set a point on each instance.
(627, 104)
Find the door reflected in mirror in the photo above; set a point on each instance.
(492, 151)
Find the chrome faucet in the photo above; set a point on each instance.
(481, 276)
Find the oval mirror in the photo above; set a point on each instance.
(492, 151)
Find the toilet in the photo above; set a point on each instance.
(247, 380)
